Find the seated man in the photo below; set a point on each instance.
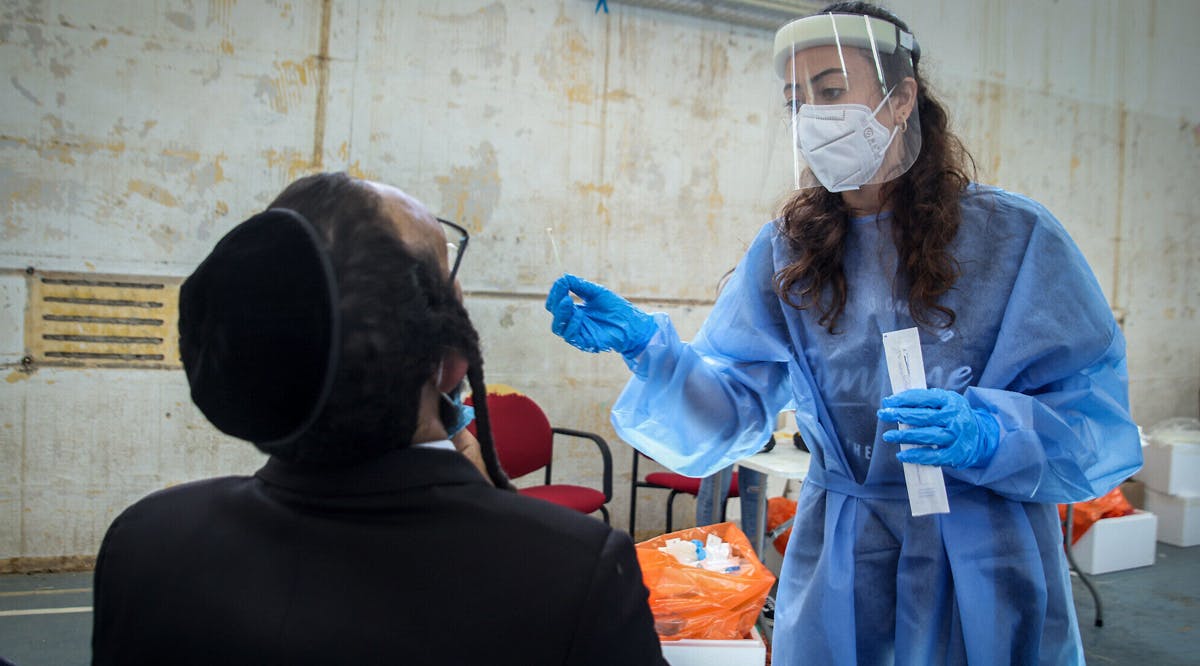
(329, 332)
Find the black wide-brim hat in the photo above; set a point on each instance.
(259, 331)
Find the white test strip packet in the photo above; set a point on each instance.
(906, 369)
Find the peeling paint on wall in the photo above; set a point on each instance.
(712, 76)
(164, 237)
(470, 193)
(59, 70)
(64, 151)
(356, 170)
(290, 162)
(566, 62)
(155, 193)
(604, 190)
(220, 11)
(286, 87)
(483, 32)
(181, 21)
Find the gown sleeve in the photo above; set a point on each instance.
(1056, 381)
(697, 408)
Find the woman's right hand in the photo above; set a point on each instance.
(602, 322)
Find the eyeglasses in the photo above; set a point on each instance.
(454, 250)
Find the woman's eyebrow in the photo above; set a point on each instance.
(831, 70)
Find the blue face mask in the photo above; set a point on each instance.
(455, 415)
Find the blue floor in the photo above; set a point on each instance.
(1151, 615)
(58, 632)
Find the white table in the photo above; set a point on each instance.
(784, 460)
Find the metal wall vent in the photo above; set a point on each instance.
(89, 320)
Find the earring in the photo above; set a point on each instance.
(903, 125)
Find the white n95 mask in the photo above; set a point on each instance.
(843, 144)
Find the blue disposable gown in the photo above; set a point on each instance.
(864, 582)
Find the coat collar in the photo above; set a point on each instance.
(401, 469)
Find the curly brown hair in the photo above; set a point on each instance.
(925, 214)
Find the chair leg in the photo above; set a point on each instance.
(633, 497)
(604, 512)
(670, 508)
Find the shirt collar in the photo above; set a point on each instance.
(441, 445)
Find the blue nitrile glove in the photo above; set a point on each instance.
(603, 322)
(466, 414)
(952, 434)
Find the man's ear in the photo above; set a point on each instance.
(454, 368)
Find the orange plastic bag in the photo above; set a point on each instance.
(779, 510)
(1112, 505)
(690, 602)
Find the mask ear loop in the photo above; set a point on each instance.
(903, 124)
(896, 129)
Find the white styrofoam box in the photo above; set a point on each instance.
(1172, 465)
(1113, 544)
(698, 652)
(1178, 517)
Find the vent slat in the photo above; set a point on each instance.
(104, 302)
(167, 313)
(75, 282)
(125, 321)
(51, 327)
(115, 339)
(106, 356)
(128, 347)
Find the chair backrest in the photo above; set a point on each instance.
(521, 431)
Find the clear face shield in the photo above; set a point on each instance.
(849, 99)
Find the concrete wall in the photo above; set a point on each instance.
(630, 147)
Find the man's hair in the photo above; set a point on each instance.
(399, 314)
(925, 213)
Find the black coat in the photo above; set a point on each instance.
(410, 559)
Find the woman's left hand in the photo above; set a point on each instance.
(949, 433)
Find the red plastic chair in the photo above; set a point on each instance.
(525, 443)
(676, 483)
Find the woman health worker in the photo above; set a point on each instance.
(1028, 403)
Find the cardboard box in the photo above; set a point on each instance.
(697, 652)
(1113, 544)
(1171, 467)
(1178, 517)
